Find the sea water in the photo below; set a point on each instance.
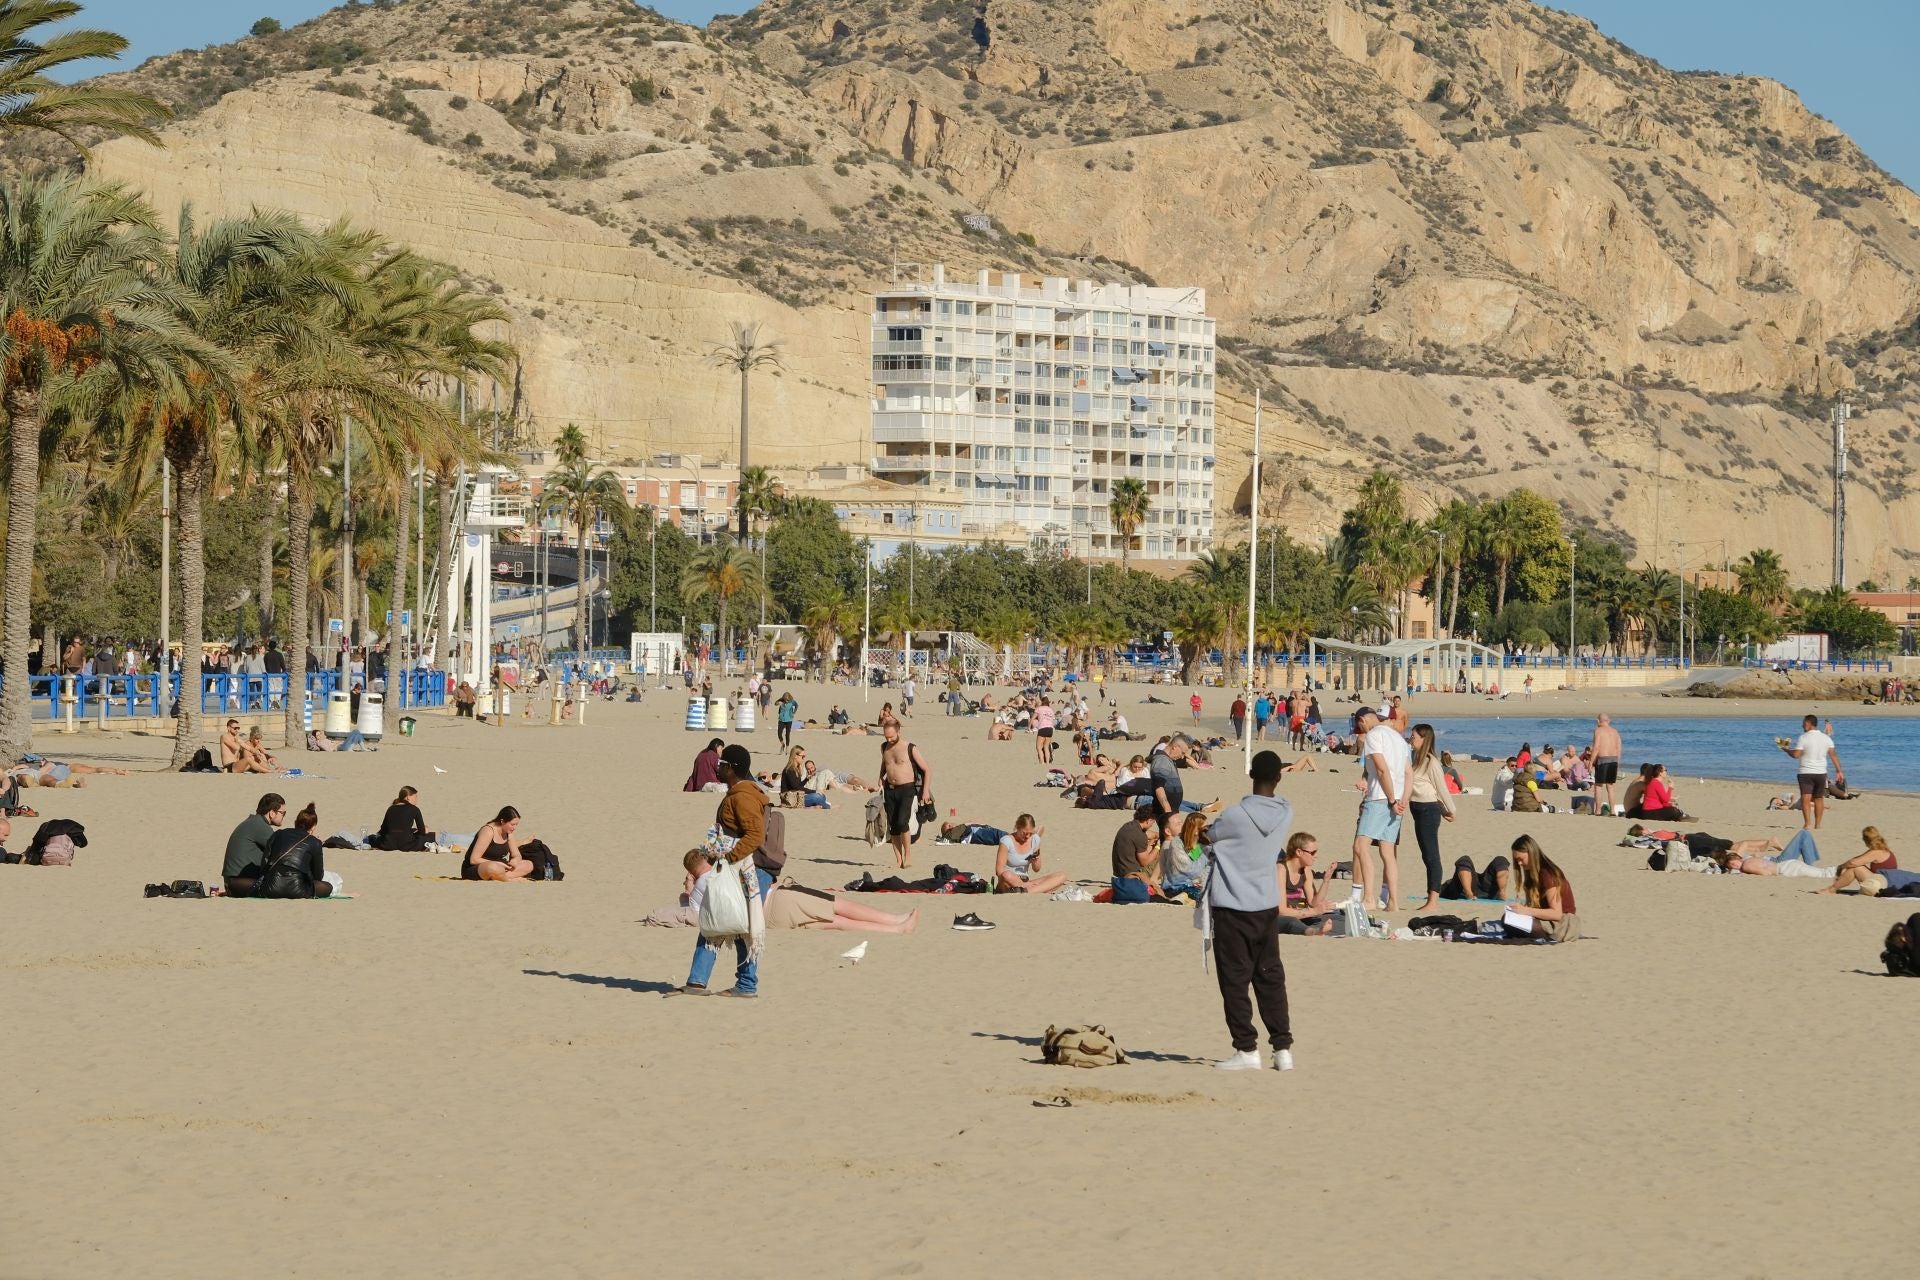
(1879, 752)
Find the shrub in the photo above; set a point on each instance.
(457, 102)
(265, 27)
(642, 88)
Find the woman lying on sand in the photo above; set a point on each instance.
(788, 906)
(37, 771)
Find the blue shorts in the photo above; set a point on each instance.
(1379, 822)
(1130, 889)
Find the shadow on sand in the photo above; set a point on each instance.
(618, 984)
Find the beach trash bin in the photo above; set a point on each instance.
(717, 714)
(697, 713)
(744, 716)
(406, 726)
(483, 705)
(373, 716)
(339, 714)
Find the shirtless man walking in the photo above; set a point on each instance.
(1606, 762)
(904, 778)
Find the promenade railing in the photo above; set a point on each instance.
(152, 695)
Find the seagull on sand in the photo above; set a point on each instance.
(856, 955)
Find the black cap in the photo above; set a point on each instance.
(739, 759)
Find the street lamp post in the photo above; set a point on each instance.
(653, 574)
(1573, 550)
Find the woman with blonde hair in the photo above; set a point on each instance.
(1545, 893)
(1430, 803)
(794, 792)
(1877, 860)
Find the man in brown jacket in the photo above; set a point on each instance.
(743, 815)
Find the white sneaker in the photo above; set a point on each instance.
(1283, 1060)
(1248, 1061)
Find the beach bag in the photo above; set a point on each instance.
(546, 864)
(723, 911)
(1081, 1046)
(58, 852)
(876, 821)
(1902, 954)
(54, 843)
(202, 762)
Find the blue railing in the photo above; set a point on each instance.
(221, 693)
(1865, 665)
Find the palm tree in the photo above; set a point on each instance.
(1128, 510)
(1361, 611)
(1763, 579)
(1459, 525)
(86, 313)
(570, 445)
(827, 621)
(1221, 583)
(32, 101)
(745, 351)
(583, 494)
(1196, 629)
(721, 570)
(245, 285)
(1503, 532)
(1075, 629)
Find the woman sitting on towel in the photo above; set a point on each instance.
(1656, 800)
(495, 851)
(1304, 903)
(403, 830)
(1545, 893)
(1016, 867)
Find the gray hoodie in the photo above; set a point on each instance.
(1248, 840)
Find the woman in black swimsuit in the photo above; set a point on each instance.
(495, 851)
(1303, 904)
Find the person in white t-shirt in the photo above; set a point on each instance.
(1813, 750)
(1385, 761)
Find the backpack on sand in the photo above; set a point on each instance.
(1081, 1046)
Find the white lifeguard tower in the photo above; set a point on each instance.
(484, 511)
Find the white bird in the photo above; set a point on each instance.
(438, 769)
(856, 955)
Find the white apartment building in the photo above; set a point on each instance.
(1032, 402)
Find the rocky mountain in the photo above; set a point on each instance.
(1473, 241)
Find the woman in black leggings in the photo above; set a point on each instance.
(1430, 803)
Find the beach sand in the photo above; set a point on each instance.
(456, 1079)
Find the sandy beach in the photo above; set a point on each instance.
(453, 1079)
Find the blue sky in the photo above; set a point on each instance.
(1851, 60)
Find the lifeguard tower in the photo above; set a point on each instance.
(484, 511)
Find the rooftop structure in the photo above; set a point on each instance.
(1032, 402)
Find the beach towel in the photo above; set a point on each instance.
(945, 879)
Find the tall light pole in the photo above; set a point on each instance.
(346, 556)
(166, 569)
(1253, 567)
(866, 629)
(653, 574)
(1573, 551)
(1439, 578)
(1841, 412)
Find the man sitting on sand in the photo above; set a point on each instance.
(1136, 852)
(249, 845)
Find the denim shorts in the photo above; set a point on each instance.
(1379, 822)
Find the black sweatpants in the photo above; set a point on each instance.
(1427, 817)
(1246, 949)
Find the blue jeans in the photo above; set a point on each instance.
(1128, 889)
(705, 954)
(1801, 847)
(1174, 888)
(814, 800)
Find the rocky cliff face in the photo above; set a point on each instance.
(1471, 240)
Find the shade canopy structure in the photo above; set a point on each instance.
(1398, 665)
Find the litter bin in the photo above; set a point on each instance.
(339, 714)
(373, 716)
(406, 726)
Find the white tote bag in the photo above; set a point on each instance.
(723, 911)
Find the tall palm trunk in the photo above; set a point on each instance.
(190, 477)
(1500, 600)
(582, 565)
(266, 567)
(16, 631)
(743, 451)
(299, 568)
(1453, 605)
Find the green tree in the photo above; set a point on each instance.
(1196, 629)
(87, 314)
(31, 100)
(1851, 628)
(1128, 510)
(1221, 578)
(721, 572)
(810, 557)
(648, 558)
(1763, 579)
(584, 494)
(265, 27)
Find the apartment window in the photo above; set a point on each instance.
(963, 308)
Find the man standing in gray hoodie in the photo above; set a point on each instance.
(1243, 893)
